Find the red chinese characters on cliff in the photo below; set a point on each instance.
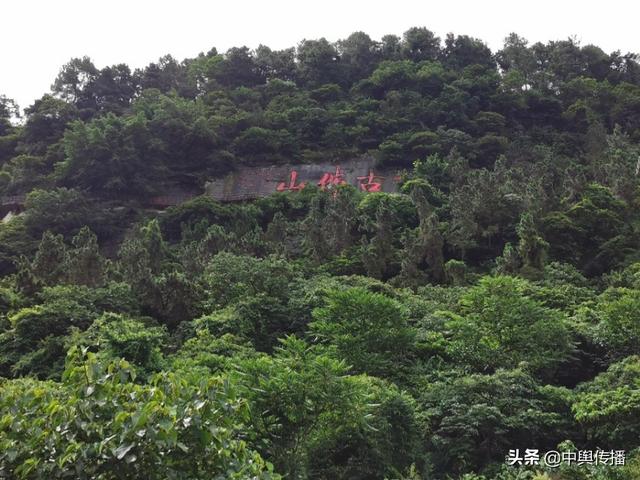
(282, 186)
(371, 183)
(330, 180)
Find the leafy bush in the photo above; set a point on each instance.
(368, 330)
(100, 424)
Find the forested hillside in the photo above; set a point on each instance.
(493, 304)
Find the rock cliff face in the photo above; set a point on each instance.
(253, 182)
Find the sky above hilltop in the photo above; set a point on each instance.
(40, 36)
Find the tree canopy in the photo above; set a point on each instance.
(491, 303)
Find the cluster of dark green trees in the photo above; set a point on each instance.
(492, 304)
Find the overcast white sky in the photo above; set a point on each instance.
(39, 36)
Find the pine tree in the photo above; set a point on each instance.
(456, 272)
(154, 245)
(26, 281)
(412, 255)
(380, 249)
(433, 244)
(51, 260)
(340, 219)
(86, 264)
(315, 241)
(276, 234)
(429, 237)
(532, 248)
(509, 263)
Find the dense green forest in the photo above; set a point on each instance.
(492, 304)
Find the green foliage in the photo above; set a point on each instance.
(174, 298)
(498, 326)
(229, 278)
(15, 242)
(51, 260)
(34, 345)
(380, 252)
(456, 272)
(329, 226)
(9, 299)
(404, 213)
(562, 287)
(209, 353)
(251, 298)
(55, 263)
(368, 330)
(383, 447)
(618, 312)
(181, 136)
(38, 336)
(473, 420)
(110, 155)
(295, 396)
(581, 233)
(136, 341)
(197, 210)
(99, 423)
(86, 265)
(609, 405)
(62, 211)
(532, 248)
